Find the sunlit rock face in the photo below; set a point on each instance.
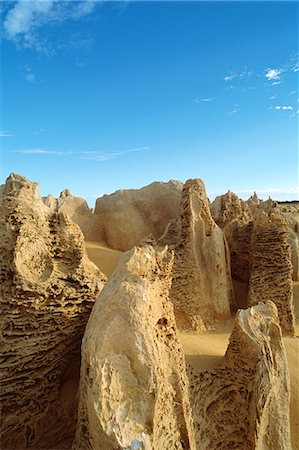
(133, 386)
(263, 250)
(127, 216)
(271, 268)
(201, 288)
(244, 402)
(47, 290)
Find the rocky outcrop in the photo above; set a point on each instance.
(127, 216)
(229, 207)
(78, 210)
(244, 403)
(271, 268)
(201, 288)
(47, 290)
(133, 386)
(238, 221)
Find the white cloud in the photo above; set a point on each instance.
(273, 74)
(229, 77)
(273, 97)
(234, 111)
(91, 155)
(209, 99)
(101, 156)
(284, 108)
(25, 17)
(40, 151)
(30, 77)
(5, 134)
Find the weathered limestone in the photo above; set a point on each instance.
(127, 216)
(244, 402)
(260, 260)
(201, 288)
(47, 289)
(79, 211)
(271, 268)
(229, 207)
(133, 385)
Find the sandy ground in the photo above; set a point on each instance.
(204, 351)
(104, 257)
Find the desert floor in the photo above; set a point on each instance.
(204, 351)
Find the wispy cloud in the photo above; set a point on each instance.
(229, 77)
(101, 156)
(40, 151)
(92, 155)
(5, 134)
(233, 111)
(29, 74)
(25, 18)
(209, 99)
(243, 74)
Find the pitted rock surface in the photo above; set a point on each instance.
(244, 402)
(47, 290)
(201, 288)
(133, 386)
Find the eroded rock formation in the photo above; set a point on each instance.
(47, 290)
(261, 252)
(229, 207)
(127, 216)
(134, 387)
(201, 288)
(244, 403)
(271, 267)
(79, 211)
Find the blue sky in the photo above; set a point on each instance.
(99, 96)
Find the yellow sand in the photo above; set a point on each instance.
(204, 351)
(104, 257)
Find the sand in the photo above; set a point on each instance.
(104, 257)
(204, 351)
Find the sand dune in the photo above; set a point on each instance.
(104, 257)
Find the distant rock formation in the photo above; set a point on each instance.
(228, 207)
(271, 268)
(124, 218)
(127, 216)
(261, 260)
(134, 388)
(244, 402)
(201, 289)
(47, 290)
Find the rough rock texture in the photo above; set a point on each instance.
(78, 210)
(127, 216)
(47, 289)
(229, 207)
(201, 290)
(133, 384)
(244, 402)
(271, 268)
(290, 212)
